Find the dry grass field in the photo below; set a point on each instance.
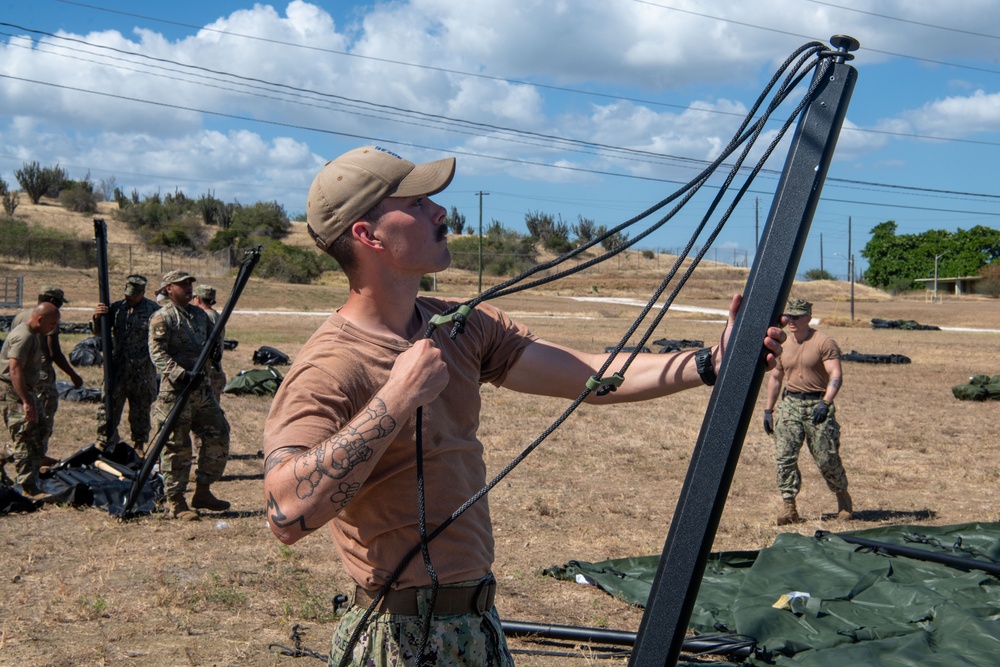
(78, 588)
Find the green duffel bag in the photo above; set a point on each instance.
(970, 392)
(256, 382)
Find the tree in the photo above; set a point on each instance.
(553, 234)
(585, 230)
(33, 181)
(455, 221)
(899, 259)
(612, 242)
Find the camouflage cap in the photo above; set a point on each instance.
(798, 307)
(176, 276)
(53, 293)
(135, 284)
(205, 292)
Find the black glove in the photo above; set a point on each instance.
(820, 412)
(769, 422)
(194, 379)
(216, 355)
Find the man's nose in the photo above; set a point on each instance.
(440, 213)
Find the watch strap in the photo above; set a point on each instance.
(703, 364)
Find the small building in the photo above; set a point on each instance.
(955, 286)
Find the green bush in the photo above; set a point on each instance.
(10, 199)
(898, 286)
(292, 264)
(819, 274)
(505, 253)
(79, 198)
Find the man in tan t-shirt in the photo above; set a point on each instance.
(22, 409)
(341, 439)
(810, 368)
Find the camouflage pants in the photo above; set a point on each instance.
(217, 379)
(792, 425)
(139, 389)
(28, 446)
(392, 640)
(202, 416)
(48, 399)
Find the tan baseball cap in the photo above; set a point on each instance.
(354, 183)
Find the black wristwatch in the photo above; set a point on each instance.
(703, 364)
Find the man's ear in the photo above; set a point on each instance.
(364, 233)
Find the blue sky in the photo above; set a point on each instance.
(248, 100)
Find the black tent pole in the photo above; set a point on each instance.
(104, 295)
(716, 454)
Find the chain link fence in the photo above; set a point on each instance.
(122, 257)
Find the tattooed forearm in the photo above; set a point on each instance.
(278, 457)
(835, 383)
(340, 454)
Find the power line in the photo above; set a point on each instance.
(902, 20)
(563, 143)
(452, 151)
(801, 36)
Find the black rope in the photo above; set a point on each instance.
(746, 135)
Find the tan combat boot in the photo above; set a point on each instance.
(203, 499)
(790, 514)
(178, 508)
(845, 508)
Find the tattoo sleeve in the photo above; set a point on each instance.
(339, 455)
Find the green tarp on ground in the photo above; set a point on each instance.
(846, 605)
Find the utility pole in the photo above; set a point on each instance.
(936, 258)
(821, 254)
(850, 264)
(756, 223)
(481, 194)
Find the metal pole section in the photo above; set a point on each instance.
(716, 454)
(957, 562)
(107, 346)
(723, 645)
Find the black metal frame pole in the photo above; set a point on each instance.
(957, 562)
(107, 345)
(716, 454)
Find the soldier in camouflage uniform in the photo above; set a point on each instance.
(133, 373)
(811, 362)
(177, 334)
(52, 356)
(204, 298)
(22, 409)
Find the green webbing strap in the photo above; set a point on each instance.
(605, 385)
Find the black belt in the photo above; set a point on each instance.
(810, 395)
(450, 601)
